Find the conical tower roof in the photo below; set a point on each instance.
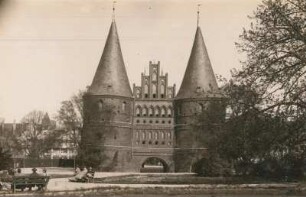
(199, 80)
(111, 77)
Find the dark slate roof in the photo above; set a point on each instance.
(111, 77)
(199, 80)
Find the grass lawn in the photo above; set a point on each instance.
(179, 179)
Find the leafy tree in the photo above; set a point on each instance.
(36, 139)
(259, 143)
(266, 128)
(70, 116)
(207, 131)
(5, 158)
(275, 46)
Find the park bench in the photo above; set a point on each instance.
(22, 182)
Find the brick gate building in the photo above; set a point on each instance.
(131, 127)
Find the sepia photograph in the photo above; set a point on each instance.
(153, 98)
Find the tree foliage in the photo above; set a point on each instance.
(258, 143)
(275, 46)
(265, 132)
(35, 139)
(5, 158)
(70, 116)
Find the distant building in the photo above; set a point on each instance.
(151, 123)
(66, 149)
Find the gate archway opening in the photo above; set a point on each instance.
(154, 165)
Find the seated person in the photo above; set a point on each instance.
(5, 180)
(77, 170)
(90, 173)
(81, 176)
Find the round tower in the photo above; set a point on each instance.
(198, 98)
(108, 111)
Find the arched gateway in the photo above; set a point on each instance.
(154, 164)
(148, 124)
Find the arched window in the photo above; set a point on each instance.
(146, 90)
(123, 106)
(163, 112)
(201, 107)
(150, 135)
(151, 111)
(100, 105)
(162, 135)
(157, 111)
(154, 76)
(162, 91)
(137, 93)
(145, 111)
(168, 135)
(143, 135)
(179, 110)
(154, 90)
(169, 93)
(155, 135)
(169, 112)
(138, 111)
(137, 135)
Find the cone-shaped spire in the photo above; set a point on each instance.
(111, 77)
(199, 80)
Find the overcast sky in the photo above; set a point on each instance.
(49, 49)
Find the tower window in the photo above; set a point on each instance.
(123, 106)
(100, 105)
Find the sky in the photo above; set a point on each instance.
(50, 49)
